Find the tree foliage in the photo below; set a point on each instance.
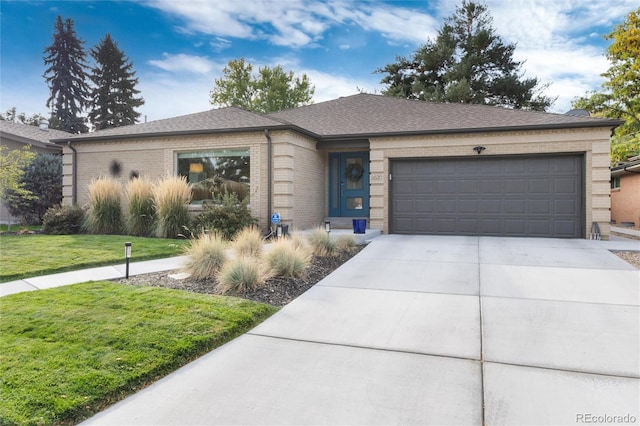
(620, 94)
(42, 178)
(66, 77)
(13, 164)
(467, 62)
(15, 117)
(272, 89)
(113, 97)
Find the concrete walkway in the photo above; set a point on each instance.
(429, 330)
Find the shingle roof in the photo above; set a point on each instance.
(29, 134)
(366, 115)
(216, 120)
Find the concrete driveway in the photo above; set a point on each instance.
(428, 330)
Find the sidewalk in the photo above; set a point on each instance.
(93, 274)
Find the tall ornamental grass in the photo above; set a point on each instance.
(322, 244)
(286, 259)
(248, 242)
(142, 210)
(105, 211)
(172, 196)
(205, 256)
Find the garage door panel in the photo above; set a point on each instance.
(510, 196)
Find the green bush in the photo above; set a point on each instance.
(172, 196)
(142, 210)
(287, 260)
(206, 255)
(321, 243)
(105, 211)
(241, 275)
(63, 220)
(248, 243)
(227, 215)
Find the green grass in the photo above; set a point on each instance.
(69, 352)
(16, 228)
(32, 255)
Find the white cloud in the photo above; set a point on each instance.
(182, 62)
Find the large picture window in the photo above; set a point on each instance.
(211, 173)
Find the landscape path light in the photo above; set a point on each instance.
(327, 226)
(127, 256)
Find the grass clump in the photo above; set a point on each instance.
(105, 212)
(345, 242)
(172, 196)
(321, 243)
(206, 255)
(241, 275)
(69, 352)
(142, 210)
(248, 242)
(287, 259)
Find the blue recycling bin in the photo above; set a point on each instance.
(359, 226)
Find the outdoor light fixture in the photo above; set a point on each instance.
(479, 149)
(327, 226)
(279, 230)
(127, 256)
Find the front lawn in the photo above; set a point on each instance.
(69, 352)
(32, 255)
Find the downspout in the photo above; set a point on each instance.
(269, 175)
(74, 175)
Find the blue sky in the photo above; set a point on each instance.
(179, 47)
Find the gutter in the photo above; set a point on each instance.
(74, 175)
(269, 174)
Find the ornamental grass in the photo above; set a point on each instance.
(141, 212)
(321, 243)
(248, 243)
(206, 255)
(287, 259)
(172, 196)
(105, 211)
(241, 275)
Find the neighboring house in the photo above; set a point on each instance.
(409, 167)
(625, 193)
(16, 136)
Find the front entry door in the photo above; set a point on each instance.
(349, 184)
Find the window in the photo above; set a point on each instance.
(211, 173)
(615, 182)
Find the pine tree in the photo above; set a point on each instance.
(113, 95)
(469, 63)
(66, 77)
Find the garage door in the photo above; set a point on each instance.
(538, 196)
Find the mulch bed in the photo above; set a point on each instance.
(276, 291)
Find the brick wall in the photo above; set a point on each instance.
(625, 201)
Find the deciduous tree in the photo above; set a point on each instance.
(467, 62)
(272, 89)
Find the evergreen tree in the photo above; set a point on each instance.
(66, 77)
(468, 62)
(113, 95)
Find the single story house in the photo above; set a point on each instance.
(409, 167)
(17, 135)
(625, 193)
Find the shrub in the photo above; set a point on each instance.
(43, 179)
(142, 210)
(345, 242)
(287, 260)
(321, 243)
(172, 196)
(227, 215)
(206, 255)
(248, 243)
(63, 220)
(241, 275)
(105, 213)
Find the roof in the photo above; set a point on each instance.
(632, 165)
(355, 117)
(368, 115)
(29, 134)
(229, 119)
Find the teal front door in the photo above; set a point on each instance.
(349, 184)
